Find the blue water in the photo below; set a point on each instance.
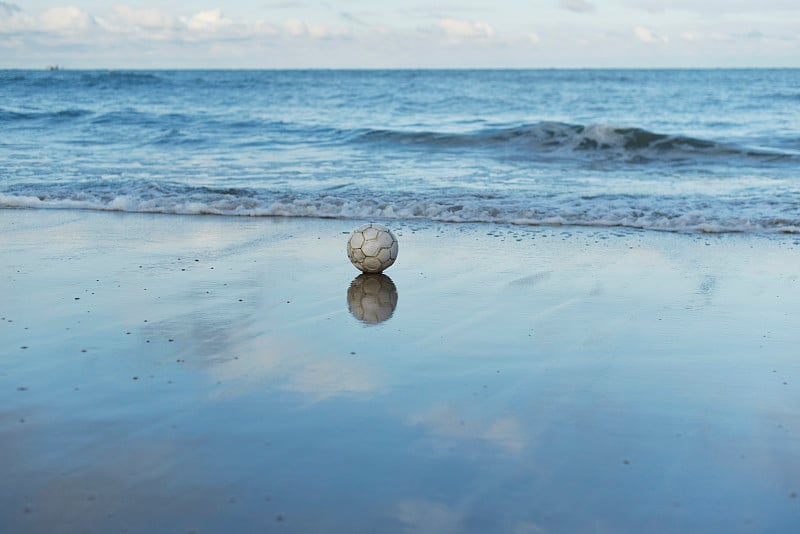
(686, 151)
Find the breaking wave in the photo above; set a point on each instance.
(652, 212)
(540, 141)
(588, 141)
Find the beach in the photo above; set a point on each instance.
(170, 373)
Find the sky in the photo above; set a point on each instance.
(399, 34)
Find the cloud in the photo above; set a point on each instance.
(577, 6)
(134, 24)
(9, 9)
(648, 36)
(143, 18)
(456, 29)
(716, 8)
(143, 23)
(66, 20)
(301, 28)
(212, 20)
(351, 18)
(754, 34)
(14, 20)
(285, 5)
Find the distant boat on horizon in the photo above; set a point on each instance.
(53, 67)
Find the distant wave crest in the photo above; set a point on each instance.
(541, 141)
(636, 145)
(60, 115)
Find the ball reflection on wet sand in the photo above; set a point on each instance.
(372, 298)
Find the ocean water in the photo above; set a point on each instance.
(669, 150)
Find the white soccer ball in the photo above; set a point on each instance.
(372, 248)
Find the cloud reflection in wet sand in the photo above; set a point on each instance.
(287, 364)
(447, 422)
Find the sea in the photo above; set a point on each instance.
(690, 151)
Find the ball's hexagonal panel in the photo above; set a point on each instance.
(384, 255)
(372, 248)
(356, 240)
(385, 239)
(371, 264)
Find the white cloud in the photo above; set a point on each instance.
(212, 20)
(142, 23)
(577, 6)
(295, 27)
(14, 20)
(124, 22)
(143, 18)
(648, 36)
(457, 30)
(533, 38)
(65, 20)
(716, 8)
(285, 5)
(301, 28)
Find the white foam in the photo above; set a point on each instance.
(677, 214)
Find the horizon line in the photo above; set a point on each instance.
(57, 67)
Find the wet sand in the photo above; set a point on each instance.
(210, 374)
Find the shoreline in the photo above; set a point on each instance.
(424, 222)
(211, 373)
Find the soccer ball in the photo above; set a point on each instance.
(372, 248)
(372, 298)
